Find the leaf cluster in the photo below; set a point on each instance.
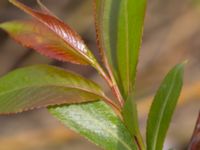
(78, 102)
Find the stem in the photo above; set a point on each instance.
(139, 142)
(194, 142)
(109, 101)
(112, 85)
(116, 88)
(138, 139)
(112, 82)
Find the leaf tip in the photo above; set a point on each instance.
(3, 26)
(181, 65)
(18, 4)
(185, 62)
(12, 1)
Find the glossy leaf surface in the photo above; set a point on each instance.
(119, 25)
(163, 107)
(35, 35)
(62, 32)
(43, 85)
(98, 123)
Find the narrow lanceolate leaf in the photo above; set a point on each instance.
(98, 123)
(163, 107)
(43, 85)
(73, 46)
(130, 116)
(119, 25)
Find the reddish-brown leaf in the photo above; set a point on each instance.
(35, 35)
(62, 32)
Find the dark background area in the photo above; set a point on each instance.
(171, 35)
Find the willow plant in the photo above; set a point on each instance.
(79, 103)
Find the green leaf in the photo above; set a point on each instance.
(43, 85)
(119, 25)
(97, 122)
(163, 107)
(130, 116)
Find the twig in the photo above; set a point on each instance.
(137, 142)
(112, 85)
(195, 140)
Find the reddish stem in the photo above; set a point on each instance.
(195, 140)
(109, 101)
(138, 143)
(110, 80)
(112, 85)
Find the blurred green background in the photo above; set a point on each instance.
(171, 35)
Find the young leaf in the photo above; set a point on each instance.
(35, 35)
(119, 25)
(163, 107)
(43, 85)
(97, 122)
(130, 116)
(62, 32)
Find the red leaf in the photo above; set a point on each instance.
(33, 34)
(61, 30)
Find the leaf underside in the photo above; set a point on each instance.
(163, 107)
(43, 85)
(97, 122)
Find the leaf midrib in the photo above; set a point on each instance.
(52, 85)
(162, 112)
(127, 45)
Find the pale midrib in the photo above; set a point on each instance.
(127, 45)
(53, 85)
(161, 114)
(109, 131)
